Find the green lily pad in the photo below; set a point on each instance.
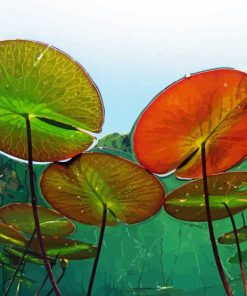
(80, 188)
(229, 237)
(20, 216)
(30, 256)
(235, 260)
(187, 202)
(9, 235)
(64, 248)
(4, 259)
(63, 104)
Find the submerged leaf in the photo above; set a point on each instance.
(63, 104)
(20, 216)
(235, 259)
(64, 248)
(187, 202)
(229, 237)
(80, 188)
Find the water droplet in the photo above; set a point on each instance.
(7, 86)
(59, 187)
(187, 75)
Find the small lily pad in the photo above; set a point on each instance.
(64, 248)
(20, 216)
(229, 237)
(61, 101)
(80, 188)
(235, 259)
(187, 202)
(30, 256)
(9, 235)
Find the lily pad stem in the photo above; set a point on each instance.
(34, 207)
(58, 280)
(238, 247)
(210, 223)
(101, 236)
(46, 278)
(20, 262)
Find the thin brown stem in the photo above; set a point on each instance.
(238, 247)
(101, 237)
(20, 262)
(35, 210)
(210, 223)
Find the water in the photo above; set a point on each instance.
(161, 256)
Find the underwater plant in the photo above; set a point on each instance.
(196, 127)
(102, 189)
(49, 108)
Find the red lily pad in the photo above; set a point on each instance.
(207, 107)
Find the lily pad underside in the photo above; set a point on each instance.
(206, 107)
(20, 216)
(39, 82)
(64, 248)
(9, 235)
(82, 187)
(187, 202)
(31, 257)
(235, 260)
(229, 237)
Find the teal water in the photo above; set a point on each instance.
(161, 256)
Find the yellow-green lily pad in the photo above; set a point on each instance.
(64, 248)
(9, 235)
(58, 96)
(187, 202)
(80, 188)
(30, 256)
(20, 216)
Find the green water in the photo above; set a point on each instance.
(140, 259)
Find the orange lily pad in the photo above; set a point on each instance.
(209, 107)
(61, 101)
(20, 216)
(187, 202)
(80, 188)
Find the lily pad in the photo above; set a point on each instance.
(30, 256)
(61, 101)
(9, 235)
(209, 107)
(187, 202)
(4, 258)
(20, 216)
(235, 259)
(64, 248)
(80, 188)
(229, 238)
